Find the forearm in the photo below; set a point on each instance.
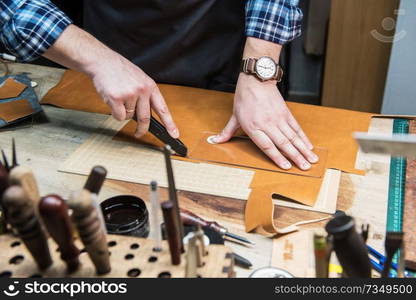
(257, 47)
(78, 50)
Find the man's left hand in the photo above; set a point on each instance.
(261, 112)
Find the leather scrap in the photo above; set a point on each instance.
(11, 89)
(14, 110)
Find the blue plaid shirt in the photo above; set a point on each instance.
(29, 27)
(278, 21)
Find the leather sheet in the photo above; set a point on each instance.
(241, 151)
(11, 89)
(198, 111)
(14, 110)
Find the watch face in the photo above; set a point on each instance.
(265, 68)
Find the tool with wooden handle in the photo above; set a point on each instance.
(173, 231)
(4, 179)
(90, 229)
(155, 220)
(54, 213)
(193, 258)
(5, 160)
(173, 193)
(350, 247)
(96, 179)
(21, 215)
(4, 184)
(189, 218)
(393, 243)
(94, 183)
(23, 176)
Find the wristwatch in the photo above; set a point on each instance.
(264, 68)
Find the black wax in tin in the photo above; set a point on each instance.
(126, 215)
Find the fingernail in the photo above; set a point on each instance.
(213, 139)
(306, 166)
(175, 133)
(314, 158)
(287, 165)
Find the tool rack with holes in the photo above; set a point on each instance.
(129, 257)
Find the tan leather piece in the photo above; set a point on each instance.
(76, 91)
(241, 151)
(14, 110)
(197, 111)
(11, 89)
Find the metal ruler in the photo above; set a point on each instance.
(397, 182)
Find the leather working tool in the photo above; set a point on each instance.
(155, 221)
(4, 184)
(393, 243)
(173, 193)
(159, 131)
(189, 218)
(321, 254)
(54, 213)
(350, 247)
(88, 223)
(24, 177)
(7, 166)
(21, 214)
(96, 179)
(379, 261)
(94, 184)
(173, 231)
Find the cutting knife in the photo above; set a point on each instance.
(159, 131)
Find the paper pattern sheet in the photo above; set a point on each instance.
(134, 163)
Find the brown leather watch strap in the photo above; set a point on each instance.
(248, 65)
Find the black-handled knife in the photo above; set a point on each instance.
(160, 132)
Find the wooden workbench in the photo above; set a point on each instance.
(44, 146)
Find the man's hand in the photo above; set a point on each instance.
(121, 84)
(261, 112)
(128, 91)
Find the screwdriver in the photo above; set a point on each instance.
(189, 218)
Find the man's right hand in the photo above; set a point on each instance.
(121, 84)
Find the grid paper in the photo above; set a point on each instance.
(138, 164)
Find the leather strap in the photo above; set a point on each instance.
(248, 66)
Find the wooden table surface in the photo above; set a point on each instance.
(44, 146)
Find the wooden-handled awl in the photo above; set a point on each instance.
(96, 179)
(88, 224)
(21, 215)
(173, 231)
(54, 213)
(23, 176)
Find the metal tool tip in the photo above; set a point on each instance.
(239, 238)
(5, 161)
(14, 155)
(153, 185)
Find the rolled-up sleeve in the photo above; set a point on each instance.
(29, 27)
(278, 21)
